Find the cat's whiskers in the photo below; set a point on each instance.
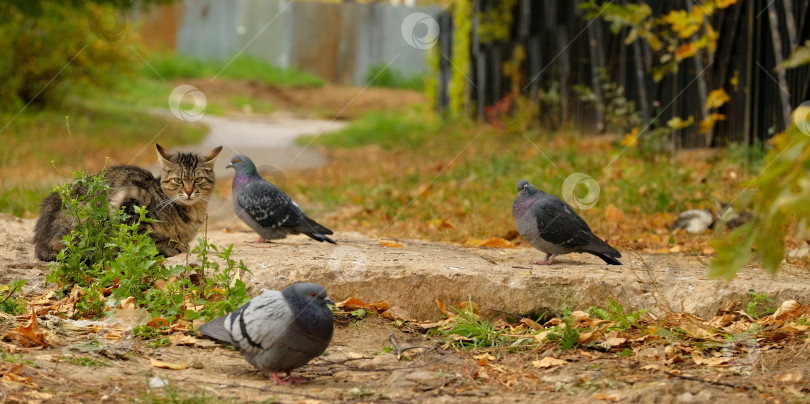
(165, 203)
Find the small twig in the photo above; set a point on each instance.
(14, 289)
(700, 379)
(400, 349)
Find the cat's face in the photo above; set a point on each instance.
(187, 177)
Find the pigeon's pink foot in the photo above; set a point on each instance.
(287, 380)
(549, 260)
(259, 241)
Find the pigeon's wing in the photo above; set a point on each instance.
(261, 323)
(269, 206)
(559, 224)
(216, 329)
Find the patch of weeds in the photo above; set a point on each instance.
(84, 361)
(9, 304)
(615, 313)
(626, 353)
(172, 395)
(108, 257)
(469, 331)
(564, 334)
(758, 306)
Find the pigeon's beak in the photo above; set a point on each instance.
(329, 301)
(229, 165)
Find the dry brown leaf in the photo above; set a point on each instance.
(616, 341)
(542, 336)
(787, 310)
(128, 303)
(443, 308)
(31, 331)
(379, 306)
(590, 336)
(606, 397)
(351, 303)
(548, 362)
(158, 322)
(388, 243)
(719, 361)
(531, 324)
(438, 324)
(496, 242)
(182, 339)
(166, 365)
(790, 377)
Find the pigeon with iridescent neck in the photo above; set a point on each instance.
(266, 208)
(551, 226)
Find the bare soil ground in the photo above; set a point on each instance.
(356, 367)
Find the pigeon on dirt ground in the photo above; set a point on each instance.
(278, 331)
(266, 208)
(551, 226)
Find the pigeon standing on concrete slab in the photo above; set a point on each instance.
(266, 208)
(278, 331)
(551, 226)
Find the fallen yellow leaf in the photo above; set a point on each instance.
(548, 362)
(167, 365)
(387, 243)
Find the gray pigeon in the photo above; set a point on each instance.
(266, 208)
(278, 331)
(551, 226)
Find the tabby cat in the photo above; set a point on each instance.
(178, 200)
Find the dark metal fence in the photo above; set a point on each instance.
(564, 49)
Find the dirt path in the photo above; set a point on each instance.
(358, 369)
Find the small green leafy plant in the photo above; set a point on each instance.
(9, 304)
(108, 258)
(615, 313)
(565, 334)
(758, 305)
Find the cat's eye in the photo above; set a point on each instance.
(198, 180)
(178, 180)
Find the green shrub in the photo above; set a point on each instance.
(106, 255)
(48, 54)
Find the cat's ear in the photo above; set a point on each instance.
(210, 157)
(163, 157)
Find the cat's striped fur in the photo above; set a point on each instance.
(178, 200)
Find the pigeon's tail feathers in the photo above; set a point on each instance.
(607, 258)
(314, 230)
(604, 251)
(320, 237)
(215, 329)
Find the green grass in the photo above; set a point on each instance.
(383, 76)
(407, 170)
(390, 130)
(37, 140)
(176, 66)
